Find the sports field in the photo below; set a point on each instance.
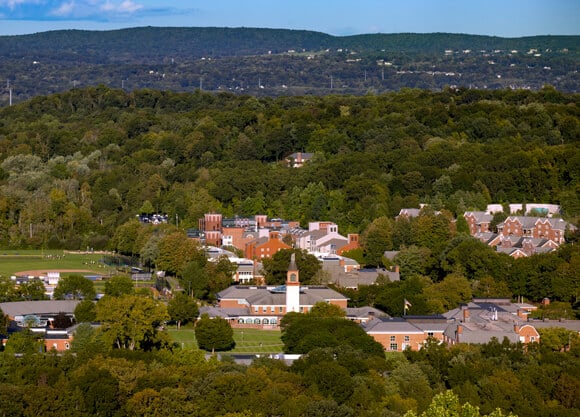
(247, 340)
(34, 262)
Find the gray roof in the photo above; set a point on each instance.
(481, 333)
(262, 295)
(480, 216)
(573, 325)
(23, 308)
(365, 312)
(223, 312)
(391, 325)
(485, 237)
(360, 277)
(529, 222)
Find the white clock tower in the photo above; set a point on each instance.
(292, 287)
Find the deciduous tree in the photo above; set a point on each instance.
(132, 322)
(76, 287)
(214, 334)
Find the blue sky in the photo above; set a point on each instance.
(507, 18)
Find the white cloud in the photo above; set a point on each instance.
(126, 6)
(65, 9)
(13, 3)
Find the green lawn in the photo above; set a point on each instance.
(12, 261)
(247, 340)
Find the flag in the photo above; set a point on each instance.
(407, 304)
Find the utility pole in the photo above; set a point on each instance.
(9, 92)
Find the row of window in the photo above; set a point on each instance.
(258, 321)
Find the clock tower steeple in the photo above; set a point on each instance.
(292, 287)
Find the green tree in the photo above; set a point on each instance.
(276, 267)
(323, 309)
(85, 311)
(304, 333)
(87, 342)
(24, 342)
(447, 404)
(132, 322)
(99, 390)
(119, 285)
(447, 294)
(125, 237)
(214, 334)
(32, 290)
(413, 261)
(4, 322)
(376, 239)
(176, 251)
(76, 287)
(147, 208)
(182, 309)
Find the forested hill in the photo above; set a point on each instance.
(130, 45)
(277, 62)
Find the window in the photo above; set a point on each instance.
(532, 339)
(393, 346)
(292, 277)
(430, 334)
(280, 309)
(264, 309)
(66, 345)
(392, 338)
(407, 338)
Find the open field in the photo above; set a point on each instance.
(16, 262)
(247, 340)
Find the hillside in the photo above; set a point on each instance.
(276, 62)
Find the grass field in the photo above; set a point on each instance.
(247, 340)
(13, 261)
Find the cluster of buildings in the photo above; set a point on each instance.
(260, 238)
(535, 232)
(476, 322)
(520, 235)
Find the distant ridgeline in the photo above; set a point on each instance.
(275, 62)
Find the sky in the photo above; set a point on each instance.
(505, 18)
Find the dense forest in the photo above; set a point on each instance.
(75, 166)
(339, 380)
(272, 62)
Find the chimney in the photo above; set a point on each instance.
(522, 314)
(458, 332)
(465, 311)
(516, 328)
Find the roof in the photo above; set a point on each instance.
(359, 277)
(223, 312)
(266, 296)
(22, 308)
(479, 216)
(365, 312)
(481, 333)
(390, 325)
(573, 325)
